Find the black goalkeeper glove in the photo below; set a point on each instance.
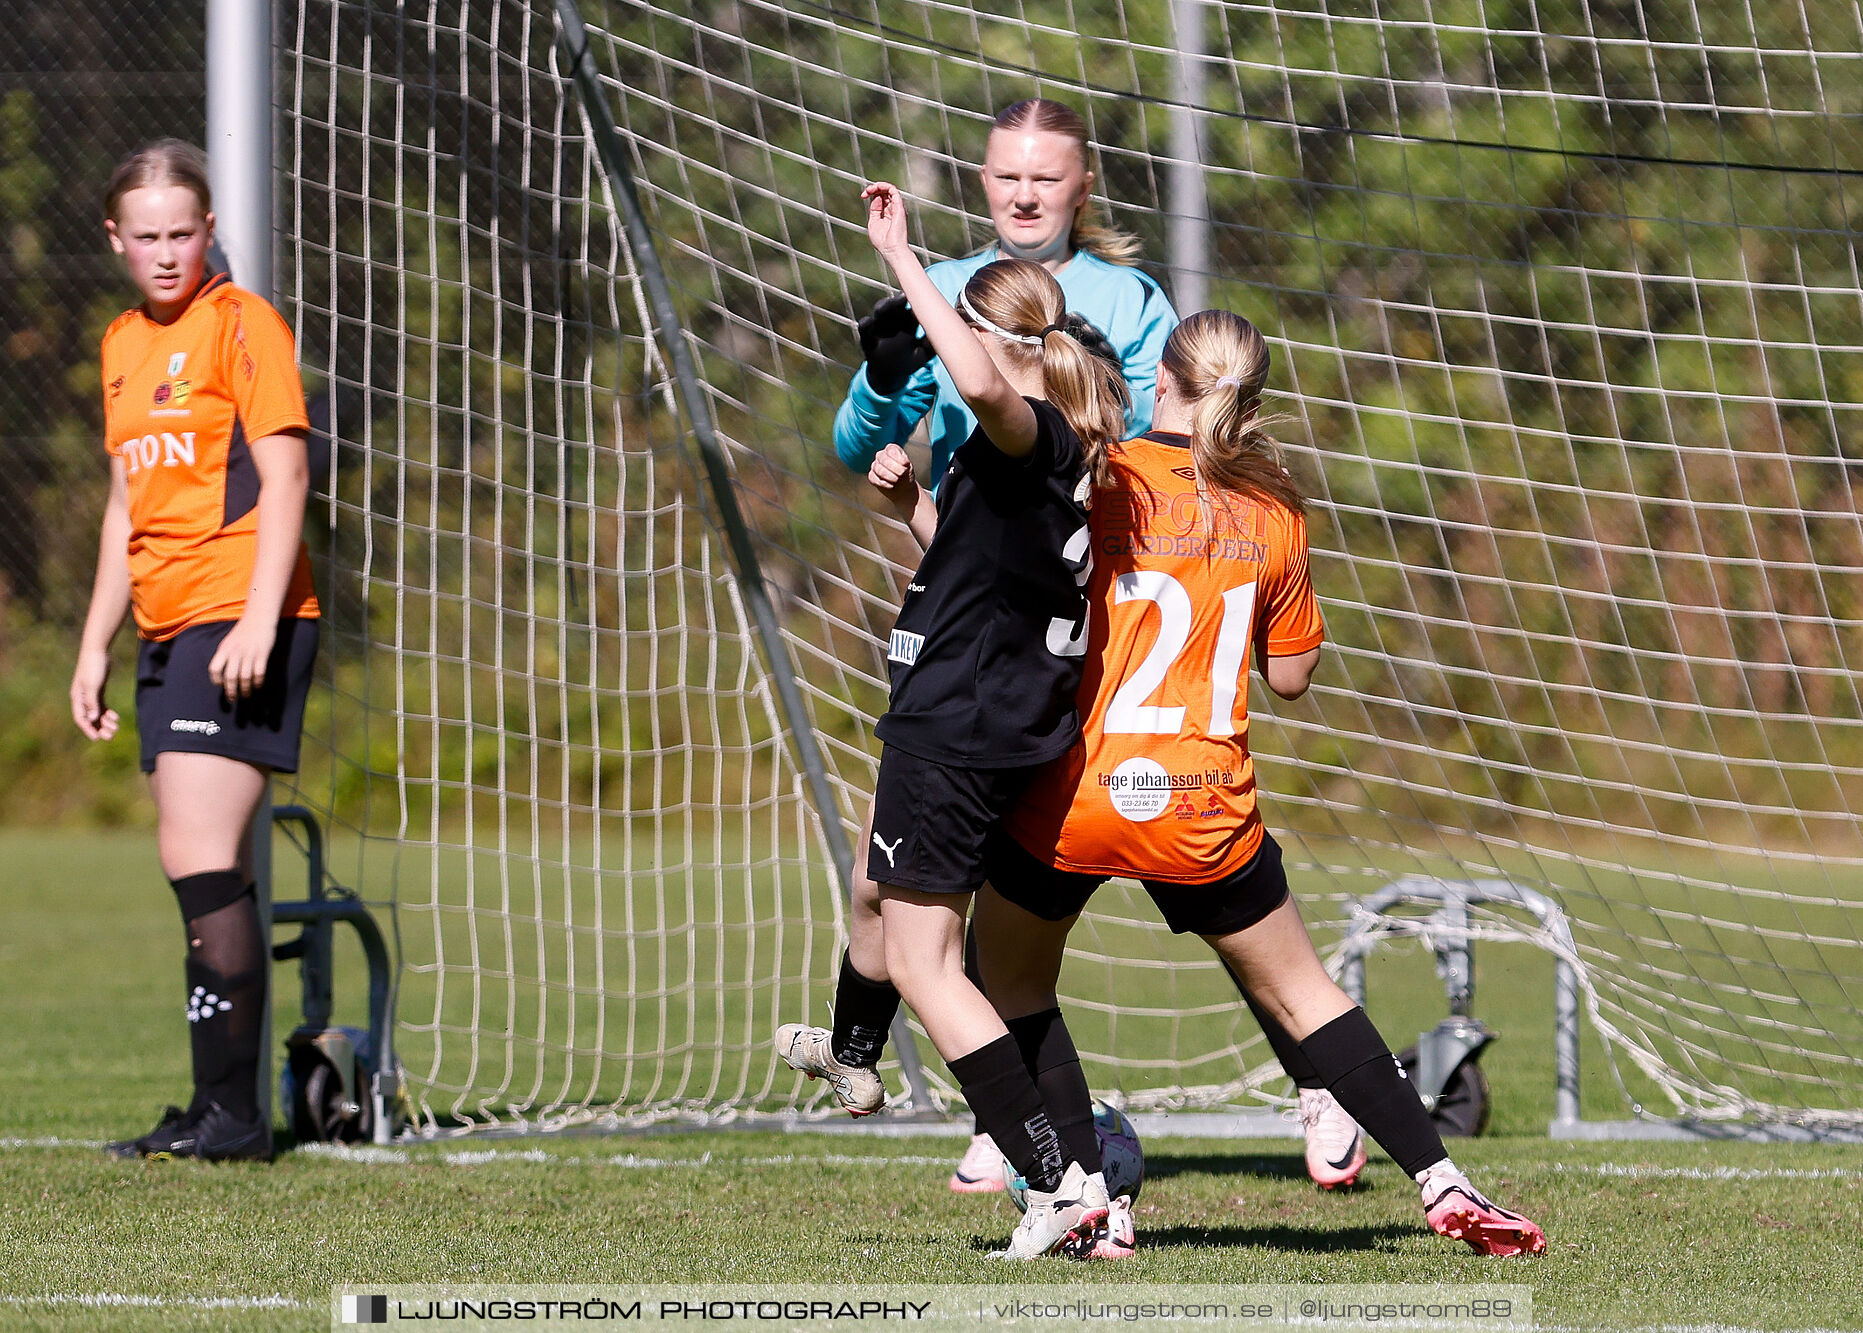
(893, 345)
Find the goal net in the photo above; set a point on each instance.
(1566, 311)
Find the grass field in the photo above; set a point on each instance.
(1640, 1235)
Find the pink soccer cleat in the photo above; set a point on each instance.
(1458, 1210)
(1335, 1145)
(1115, 1237)
(981, 1169)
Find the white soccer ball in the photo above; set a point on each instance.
(1122, 1161)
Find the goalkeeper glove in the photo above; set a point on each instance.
(893, 344)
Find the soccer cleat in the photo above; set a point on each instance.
(807, 1050)
(1115, 1237)
(1335, 1145)
(1458, 1210)
(171, 1117)
(1060, 1222)
(211, 1133)
(981, 1169)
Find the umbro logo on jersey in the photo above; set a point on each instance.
(904, 647)
(880, 842)
(1187, 473)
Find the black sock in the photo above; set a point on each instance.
(863, 1015)
(1048, 1054)
(1008, 1107)
(227, 974)
(1371, 1085)
(1294, 1062)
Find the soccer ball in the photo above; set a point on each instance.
(1121, 1159)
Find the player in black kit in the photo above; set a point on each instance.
(985, 660)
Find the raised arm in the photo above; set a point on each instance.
(1004, 414)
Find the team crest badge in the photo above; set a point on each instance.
(175, 362)
(163, 392)
(180, 393)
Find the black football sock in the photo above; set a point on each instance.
(863, 1015)
(1048, 1054)
(1372, 1086)
(227, 974)
(1008, 1107)
(1294, 1062)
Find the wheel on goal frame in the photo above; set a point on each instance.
(326, 1085)
(1461, 1108)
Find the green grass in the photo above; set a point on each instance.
(1641, 1235)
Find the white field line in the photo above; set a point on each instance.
(51, 1143)
(1635, 1172)
(626, 1161)
(114, 1300)
(369, 1155)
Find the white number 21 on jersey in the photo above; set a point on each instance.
(1128, 713)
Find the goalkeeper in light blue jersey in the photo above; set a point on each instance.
(1036, 177)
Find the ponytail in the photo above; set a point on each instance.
(1021, 303)
(1087, 386)
(1220, 361)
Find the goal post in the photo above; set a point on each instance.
(1567, 314)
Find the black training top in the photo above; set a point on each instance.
(988, 648)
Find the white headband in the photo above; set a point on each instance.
(963, 303)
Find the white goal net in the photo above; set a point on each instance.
(1566, 309)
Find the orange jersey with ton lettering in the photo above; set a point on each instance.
(1182, 597)
(182, 403)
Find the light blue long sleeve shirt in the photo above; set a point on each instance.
(1126, 305)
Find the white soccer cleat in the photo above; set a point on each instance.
(1335, 1144)
(1456, 1209)
(807, 1050)
(1061, 1222)
(981, 1170)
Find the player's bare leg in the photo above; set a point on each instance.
(1276, 961)
(1019, 955)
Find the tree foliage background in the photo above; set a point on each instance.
(80, 86)
(1566, 296)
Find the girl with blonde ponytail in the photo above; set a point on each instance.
(985, 661)
(1196, 569)
(1219, 366)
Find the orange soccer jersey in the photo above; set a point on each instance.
(182, 402)
(1182, 593)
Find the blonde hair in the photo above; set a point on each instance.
(1220, 363)
(161, 162)
(1024, 305)
(1088, 233)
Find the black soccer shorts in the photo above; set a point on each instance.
(1221, 907)
(179, 708)
(930, 820)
